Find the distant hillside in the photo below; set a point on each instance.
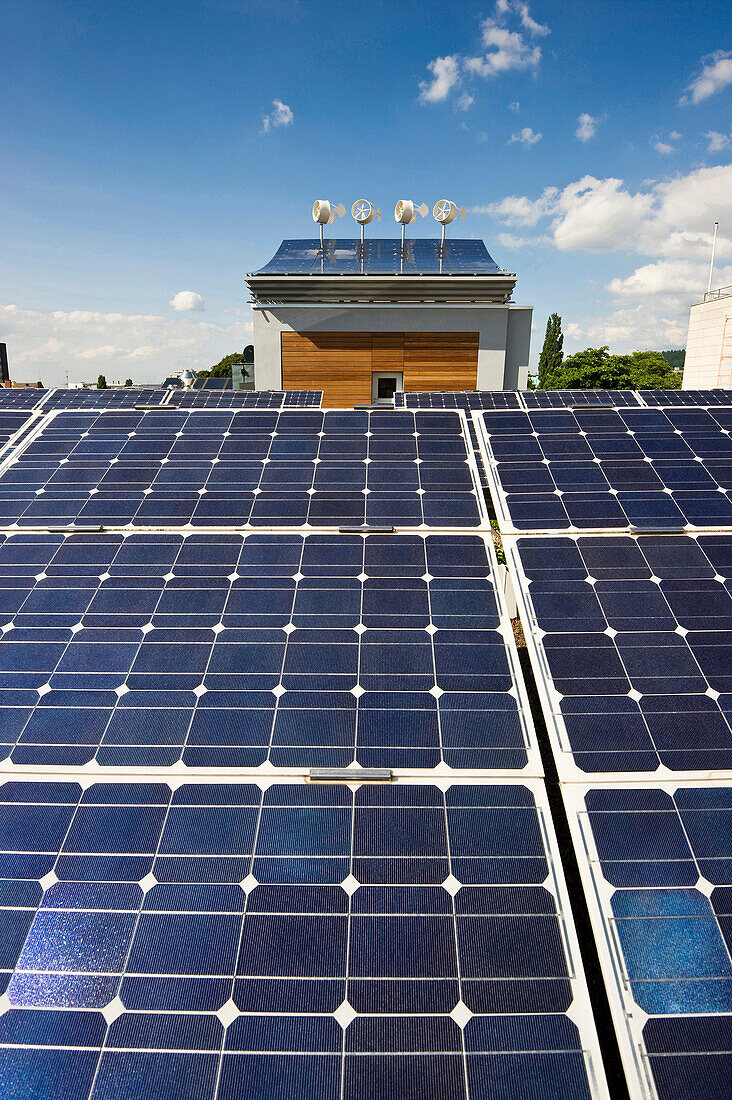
(675, 357)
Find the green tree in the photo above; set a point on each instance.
(223, 368)
(651, 370)
(675, 357)
(128, 381)
(552, 354)
(101, 382)
(597, 369)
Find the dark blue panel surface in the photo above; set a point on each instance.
(670, 859)
(381, 257)
(638, 641)
(613, 467)
(228, 651)
(283, 959)
(231, 467)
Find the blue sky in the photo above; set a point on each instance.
(590, 142)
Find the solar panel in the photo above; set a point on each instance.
(266, 399)
(126, 397)
(657, 865)
(603, 468)
(631, 641)
(12, 421)
(301, 941)
(559, 399)
(236, 652)
(22, 398)
(381, 257)
(470, 399)
(232, 468)
(686, 397)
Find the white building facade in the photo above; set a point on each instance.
(708, 363)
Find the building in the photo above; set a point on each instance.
(708, 363)
(362, 321)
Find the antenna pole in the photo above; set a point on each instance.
(363, 233)
(714, 249)
(442, 242)
(321, 236)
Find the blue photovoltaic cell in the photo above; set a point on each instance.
(221, 897)
(229, 651)
(381, 257)
(686, 397)
(558, 399)
(229, 468)
(600, 468)
(675, 937)
(470, 399)
(650, 616)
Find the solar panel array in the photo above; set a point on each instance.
(170, 467)
(237, 652)
(350, 256)
(618, 534)
(246, 399)
(181, 912)
(597, 469)
(658, 873)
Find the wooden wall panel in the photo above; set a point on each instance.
(440, 360)
(340, 363)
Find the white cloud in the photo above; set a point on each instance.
(147, 347)
(677, 281)
(675, 135)
(624, 330)
(281, 116)
(526, 136)
(663, 148)
(518, 210)
(185, 301)
(515, 106)
(717, 141)
(586, 127)
(466, 101)
(671, 218)
(445, 75)
(505, 49)
(510, 240)
(716, 74)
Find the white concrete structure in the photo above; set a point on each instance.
(708, 363)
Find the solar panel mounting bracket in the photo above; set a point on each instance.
(373, 408)
(351, 775)
(154, 408)
(635, 530)
(366, 529)
(76, 529)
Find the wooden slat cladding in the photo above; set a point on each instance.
(440, 361)
(341, 363)
(338, 363)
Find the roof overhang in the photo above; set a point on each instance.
(345, 289)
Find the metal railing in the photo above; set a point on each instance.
(723, 292)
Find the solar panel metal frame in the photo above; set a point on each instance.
(550, 699)
(579, 1012)
(629, 1018)
(477, 493)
